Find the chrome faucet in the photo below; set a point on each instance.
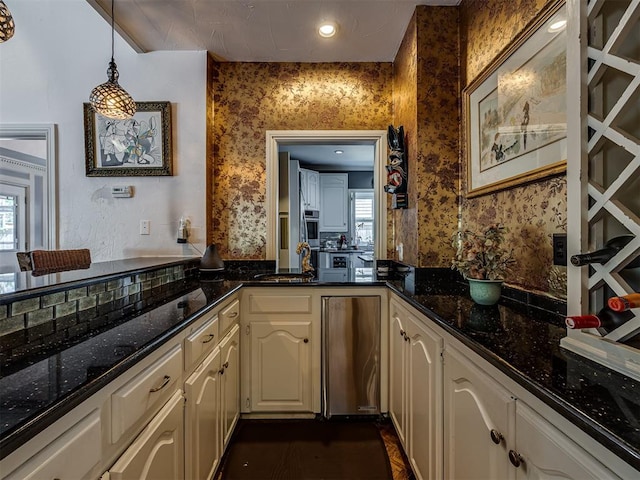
(306, 257)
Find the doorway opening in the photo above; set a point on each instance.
(377, 139)
(28, 217)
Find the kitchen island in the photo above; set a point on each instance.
(517, 338)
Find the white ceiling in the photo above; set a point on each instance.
(267, 30)
(355, 157)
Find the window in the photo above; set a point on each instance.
(8, 221)
(362, 217)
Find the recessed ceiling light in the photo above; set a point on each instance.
(338, 152)
(327, 29)
(557, 25)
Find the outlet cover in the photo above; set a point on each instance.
(560, 249)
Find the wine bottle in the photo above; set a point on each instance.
(625, 302)
(605, 320)
(606, 253)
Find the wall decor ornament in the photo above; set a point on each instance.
(397, 168)
(515, 110)
(138, 146)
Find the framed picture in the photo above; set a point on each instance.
(515, 111)
(137, 146)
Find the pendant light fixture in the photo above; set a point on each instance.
(110, 99)
(7, 27)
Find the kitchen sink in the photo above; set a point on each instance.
(285, 277)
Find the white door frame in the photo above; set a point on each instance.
(47, 132)
(378, 138)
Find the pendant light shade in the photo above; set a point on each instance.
(110, 99)
(7, 27)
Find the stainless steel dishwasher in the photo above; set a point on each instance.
(350, 355)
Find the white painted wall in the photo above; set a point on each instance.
(60, 51)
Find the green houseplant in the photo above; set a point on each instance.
(483, 260)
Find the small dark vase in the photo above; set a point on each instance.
(211, 261)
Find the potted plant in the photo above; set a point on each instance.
(483, 260)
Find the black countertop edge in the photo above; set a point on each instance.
(615, 444)
(110, 270)
(25, 432)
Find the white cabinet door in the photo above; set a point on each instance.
(72, 455)
(543, 452)
(281, 366)
(313, 190)
(203, 437)
(304, 189)
(478, 412)
(230, 382)
(158, 452)
(333, 275)
(415, 398)
(334, 205)
(424, 400)
(397, 373)
(310, 188)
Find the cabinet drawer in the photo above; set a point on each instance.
(145, 392)
(279, 304)
(229, 316)
(200, 342)
(71, 455)
(158, 452)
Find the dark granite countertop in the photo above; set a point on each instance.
(519, 339)
(39, 393)
(15, 282)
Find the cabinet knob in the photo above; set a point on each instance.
(496, 436)
(306, 340)
(515, 458)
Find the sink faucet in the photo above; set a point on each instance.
(306, 264)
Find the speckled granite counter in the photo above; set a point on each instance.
(524, 343)
(520, 339)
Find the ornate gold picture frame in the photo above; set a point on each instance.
(515, 110)
(138, 146)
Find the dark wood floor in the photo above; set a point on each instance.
(398, 463)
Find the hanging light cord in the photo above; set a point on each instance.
(112, 27)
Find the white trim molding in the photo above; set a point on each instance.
(378, 138)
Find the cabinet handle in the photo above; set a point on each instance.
(515, 458)
(403, 333)
(496, 436)
(209, 338)
(225, 365)
(167, 379)
(221, 371)
(306, 340)
(233, 314)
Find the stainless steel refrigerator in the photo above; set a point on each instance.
(350, 355)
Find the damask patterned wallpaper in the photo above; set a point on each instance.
(532, 212)
(443, 50)
(426, 91)
(250, 98)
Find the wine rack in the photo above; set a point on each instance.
(603, 170)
